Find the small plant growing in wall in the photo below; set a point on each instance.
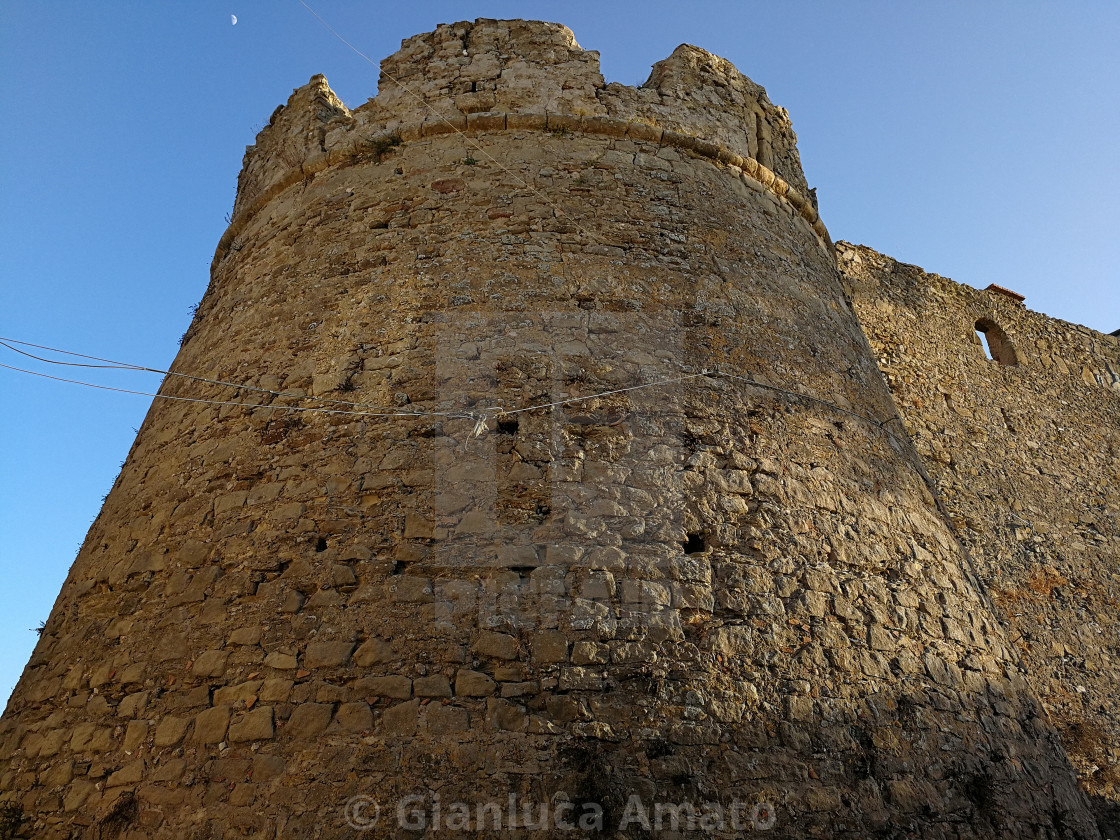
(381, 144)
(469, 161)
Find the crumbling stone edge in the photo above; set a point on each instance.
(752, 173)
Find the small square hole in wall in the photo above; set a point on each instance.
(694, 544)
(507, 426)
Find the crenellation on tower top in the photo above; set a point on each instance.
(442, 78)
(508, 66)
(296, 132)
(698, 93)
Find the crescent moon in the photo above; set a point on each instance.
(233, 19)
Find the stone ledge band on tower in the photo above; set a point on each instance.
(756, 176)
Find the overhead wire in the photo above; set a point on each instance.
(603, 394)
(127, 366)
(480, 415)
(316, 409)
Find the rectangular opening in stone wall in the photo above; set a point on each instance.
(694, 544)
(984, 343)
(507, 425)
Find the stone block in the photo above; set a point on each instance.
(506, 715)
(210, 725)
(354, 717)
(76, 795)
(550, 646)
(210, 663)
(733, 642)
(90, 738)
(411, 590)
(232, 694)
(394, 686)
(131, 774)
(132, 704)
(101, 675)
(246, 636)
(517, 556)
(230, 501)
(417, 527)
(400, 721)
(373, 651)
(495, 645)
(580, 679)
(254, 725)
(645, 592)
(590, 653)
(520, 689)
(327, 654)
(436, 685)
(486, 122)
(309, 720)
(192, 554)
(170, 731)
(59, 775)
(280, 661)
(445, 720)
(135, 734)
(530, 122)
(275, 690)
(229, 768)
(473, 684)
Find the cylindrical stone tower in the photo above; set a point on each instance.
(563, 497)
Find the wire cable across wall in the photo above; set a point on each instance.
(480, 415)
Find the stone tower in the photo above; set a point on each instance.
(561, 478)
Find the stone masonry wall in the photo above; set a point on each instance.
(1026, 457)
(613, 501)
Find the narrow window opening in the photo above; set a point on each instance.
(694, 543)
(983, 336)
(321, 544)
(997, 346)
(507, 426)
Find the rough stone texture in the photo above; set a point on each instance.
(1024, 454)
(735, 585)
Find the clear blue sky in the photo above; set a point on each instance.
(976, 139)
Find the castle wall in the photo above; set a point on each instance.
(502, 566)
(1025, 454)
